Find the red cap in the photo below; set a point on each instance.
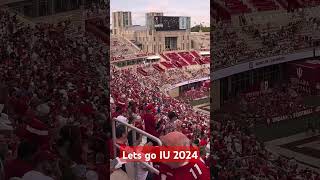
(35, 131)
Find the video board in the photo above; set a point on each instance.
(171, 23)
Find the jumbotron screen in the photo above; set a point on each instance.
(171, 23)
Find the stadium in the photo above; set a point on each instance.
(160, 74)
(265, 89)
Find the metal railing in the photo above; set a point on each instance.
(134, 134)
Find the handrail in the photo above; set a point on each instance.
(135, 129)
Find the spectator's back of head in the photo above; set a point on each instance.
(120, 131)
(172, 115)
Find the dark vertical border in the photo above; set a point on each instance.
(212, 19)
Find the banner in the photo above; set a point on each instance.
(258, 93)
(187, 82)
(296, 114)
(259, 63)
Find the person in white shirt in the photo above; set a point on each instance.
(141, 170)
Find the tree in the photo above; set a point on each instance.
(197, 29)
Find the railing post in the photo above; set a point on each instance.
(134, 137)
(134, 131)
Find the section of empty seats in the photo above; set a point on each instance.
(157, 67)
(237, 6)
(195, 54)
(175, 57)
(283, 3)
(168, 65)
(188, 57)
(141, 71)
(164, 57)
(264, 5)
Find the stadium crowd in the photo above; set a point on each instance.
(138, 100)
(122, 49)
(230, 49)
(54, 103)
(237, 154)
(275, 102)
(195, 94)
(96, 10)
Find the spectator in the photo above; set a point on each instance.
(23, 163)
(186, 170)
(44, 165)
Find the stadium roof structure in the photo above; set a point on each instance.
(154, 57)
(205, 53)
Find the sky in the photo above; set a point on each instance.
(198, 10)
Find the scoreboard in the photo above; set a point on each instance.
(171, 23)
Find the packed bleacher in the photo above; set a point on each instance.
(237, 154)
(137, 98)
(94, 10)
(194, 94)
(255, 41)
(236, 6)
(275, 102)
(123, 49)
(173, 76)
(54, 104)
(265, 5)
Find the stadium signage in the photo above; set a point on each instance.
(257, 93)
(266, 61)
(171, 23)
(170, 87)
(296, 114)
(225, 72)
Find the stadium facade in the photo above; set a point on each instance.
(161, 33)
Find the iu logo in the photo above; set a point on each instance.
(299, 72)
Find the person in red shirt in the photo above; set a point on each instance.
(18, 167)
(150, 122)
(182, 170)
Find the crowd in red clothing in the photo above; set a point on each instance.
(195, 94)
(54, 102)
(138, 100)
(128, 86)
